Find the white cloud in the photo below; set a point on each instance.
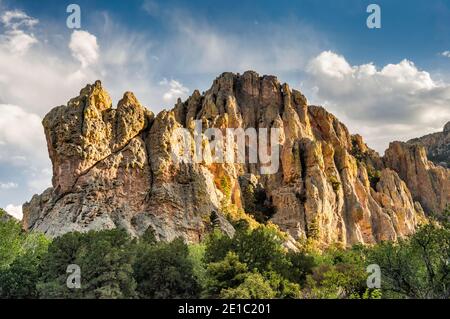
(84, 47)
(39, 180)
(331, 65)
(23, 155)
(398, 101)
(446, 54)
(41, 78)
(175, 90)
(14, 210)
(17, 41)
(16, 19)
(22, 134)
(8, 185)
(47, 76)
(406, 75)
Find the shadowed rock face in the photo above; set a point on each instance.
(114, 168)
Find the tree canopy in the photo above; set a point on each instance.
(252, 264)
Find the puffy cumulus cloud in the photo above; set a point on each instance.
(38, 80)
(175, 90)
(17, 38)
(14, 210)
(34, 77)
(446, 54)
(22, 135)
(39, 77)
(398, 101)
(84, 47)
(331, 65)
(8, 185)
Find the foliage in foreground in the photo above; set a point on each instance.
(252, 264)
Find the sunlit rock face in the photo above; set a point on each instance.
(115, 167)
(437, 146)
(428, 183)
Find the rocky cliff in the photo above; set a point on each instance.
(437, 146)
(429, 183)
(115, 167)
(5, 217)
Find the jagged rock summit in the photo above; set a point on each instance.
(113, 167)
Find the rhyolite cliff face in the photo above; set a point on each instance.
(437, 146)
(114, 168)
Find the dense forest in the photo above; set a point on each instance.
(252, 264)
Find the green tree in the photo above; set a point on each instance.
(165, 270)
(197, 258)
(254, 286)
(282, 287)
(301, 265)
(259, 249)
(11, 239)
(20, 278)
(416, 267)
(105, 259)
(340, 273)
(224, 274)
(217, 246)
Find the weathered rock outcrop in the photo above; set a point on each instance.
(116, 168)
(428, 183)
(110, 169)
(5, 217)
(437, 146)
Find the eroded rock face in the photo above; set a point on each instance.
(428, 183)
(111, 169)
(437, 146)
(115, 168)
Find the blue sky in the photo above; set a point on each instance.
(386, 84)
(414, 29)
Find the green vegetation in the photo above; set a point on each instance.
(164, 270)
(356, 151)
(418, 267)
(257, 204)
(374, 176)
(313, 230)
(252, 264)
(20, 258)
(225, 186)
(335, 183)
(105, 259)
